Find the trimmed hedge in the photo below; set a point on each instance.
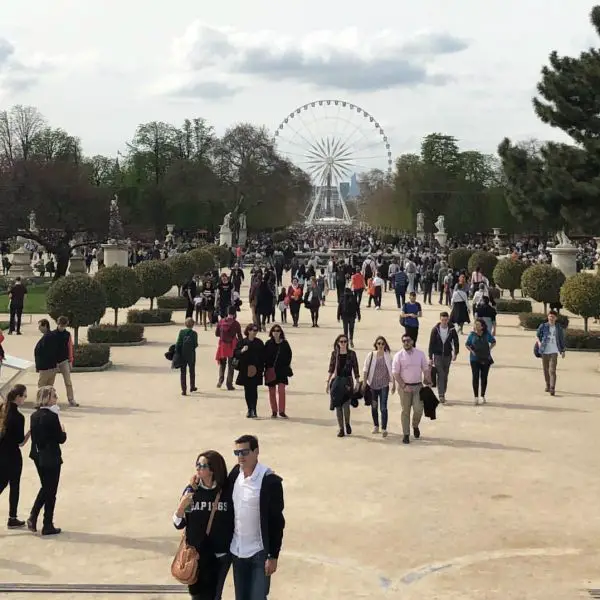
(4, 325)
(91, 355)
(531, 321)
(513, 306)
(542, 283)
(507, 275)
(580, 294)
(159, 315)
(486, 261)
(156, 277)
(577, 339)
(204, 260)
(459, 259)
(119, 334)
(172, 302)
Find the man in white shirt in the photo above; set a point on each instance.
(259, 522)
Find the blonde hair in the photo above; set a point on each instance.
(189, 322)
(44, 396)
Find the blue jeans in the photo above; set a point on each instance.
(249, 577)
(380, 399)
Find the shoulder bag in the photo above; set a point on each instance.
(367, 391)
(270, 374)
(184, 567)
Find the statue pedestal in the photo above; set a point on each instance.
(21, 263)
(225, 237)
(115, 254)
(77, 264)
(441, 238)
(242, 237)
(421, 235)
(565, 259)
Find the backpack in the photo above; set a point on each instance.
(227, 331)
(368, 272)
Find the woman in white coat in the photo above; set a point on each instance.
(378, 376)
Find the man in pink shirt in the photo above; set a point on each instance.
(411, 369)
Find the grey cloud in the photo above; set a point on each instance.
(211, 90)
(6, 51)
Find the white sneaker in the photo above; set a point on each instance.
(483, 399)
(384, 433)
(375, 430)
(378, 308)
(476, 402)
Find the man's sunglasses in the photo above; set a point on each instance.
(242, 452)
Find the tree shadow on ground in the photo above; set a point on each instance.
(395, 438)
(105, 410)
(158, 545)
(518, 406)
(331, 422)
(142, 369)
(23, 568)
(576, 394)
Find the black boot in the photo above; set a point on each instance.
(14, 523)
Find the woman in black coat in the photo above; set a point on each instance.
(278, 360)
(47, 435)
(12, 437)
(208, 485)
(250, 353)
(265, 301)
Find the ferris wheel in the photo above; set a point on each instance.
(335, 142)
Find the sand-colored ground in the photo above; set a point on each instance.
(497, 502)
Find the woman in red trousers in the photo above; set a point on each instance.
(278, 361)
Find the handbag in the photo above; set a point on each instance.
(536, 350)
(270, 374)
(251, 371)
(367, 391)
(184, 567)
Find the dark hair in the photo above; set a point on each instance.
(483, 324)
(249, 327)
(282, 336)
(251, 440)
(217, 465)
(386, 346)
(444, 313)
(553, 312)
(406, 336)
(337, 339)
(231, 311)
(44, 323)
(63, 321)
(18, 390)
(208, 282)
(485, 299)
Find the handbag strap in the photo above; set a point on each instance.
(370, 363)
(212, 513)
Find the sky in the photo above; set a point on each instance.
(98, 68)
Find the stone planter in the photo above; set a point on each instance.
(103, 367)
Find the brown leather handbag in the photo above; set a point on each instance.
(184, 567)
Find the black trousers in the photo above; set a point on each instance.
(212, 580)
(479, 372)
(400, 297)
(314, 314)
(11, 468)
(377, 296)
(251, 395)
(16, 312)
(358, 295)
(295, 311)
(427, 290)
(191, 366)
(189, 311)
(413, 332)
(49, 478)
(349, 328)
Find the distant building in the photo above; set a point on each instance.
(354, 191)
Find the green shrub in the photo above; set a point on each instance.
(158, 315)
(486, 261)
(116, 334)
(581, 340)
(156, 278)
(494, 293)
(91, 355)
(542, 283)
(280, 236)
(205, 261)
(121, 286)
(183, 267)
(222, 254)
(532, 321)
(580, 294)
(513, 306)
(4, 325)
(4, 284)
(172, 302)
(80, 298)
(507, 275)
(459, 259)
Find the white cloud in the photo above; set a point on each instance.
(346, 59)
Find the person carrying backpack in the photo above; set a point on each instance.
(185, 351)
(348, 312)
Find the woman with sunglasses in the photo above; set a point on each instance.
(278, 360)
(208, 492)
(343, 364)
(250, 353)
(378, 374)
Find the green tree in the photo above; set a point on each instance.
(121, 286)
(183, 267)
(507, 275)
(156, 278)
(580, 294)
(542, 283)
(80, 298)
(486, 261)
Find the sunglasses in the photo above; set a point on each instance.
(276, 330)
(343, 342)
(242, 452)
(255, 329)
(379, 344)
(407, 341)
(202, 466)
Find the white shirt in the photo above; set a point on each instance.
(247, 537)
(443, 333)
(551, 345)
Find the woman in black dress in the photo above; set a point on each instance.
(208, 485)
(278, 360)
(47, 435)
(343, 364)
(12, 437)
(224, 295)
(250, 353)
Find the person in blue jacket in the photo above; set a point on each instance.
(551, 343)
(479, 344)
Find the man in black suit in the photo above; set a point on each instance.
(17, 295)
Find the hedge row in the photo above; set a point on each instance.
(120, 334)
(172, 302)
(513, 306)
(577, 339)
(531, 321)
(91, 355)
(158, 315)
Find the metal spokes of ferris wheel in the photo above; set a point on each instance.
(335, 142)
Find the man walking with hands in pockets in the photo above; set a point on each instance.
(411, 369)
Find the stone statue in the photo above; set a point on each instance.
(226, 222)
(420, 221)
(243, 221)
(32, 224)
(563, 240)
(115, 226)
(440, 224)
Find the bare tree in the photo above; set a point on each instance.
(26, 122)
